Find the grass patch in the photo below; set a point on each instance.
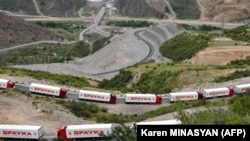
(69, 29)
(78, 82)
(45, 53)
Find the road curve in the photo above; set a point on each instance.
(150, 52)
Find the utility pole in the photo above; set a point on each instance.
(66, 14)
(222, 25)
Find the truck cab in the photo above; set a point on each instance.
(61, 133)
(63, 93)
(113, 99)
(10, 84)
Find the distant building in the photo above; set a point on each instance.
(95, 0)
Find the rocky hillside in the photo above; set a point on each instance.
(230, 10)
(58, 8)
(18, 6)
(61, 8)
(137, 8)
(14, 31)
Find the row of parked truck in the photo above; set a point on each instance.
(129, 98)
(69, 132)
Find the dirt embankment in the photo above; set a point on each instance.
(220, 55)
(19, 109)
(228, 10)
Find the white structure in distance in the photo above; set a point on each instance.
(95, 0)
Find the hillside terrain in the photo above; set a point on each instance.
(62, 8)
(14, 31)
(220, 55)
(124, 50)
(19, 109)
(228, 10)
(138, 8)
(52, 8)
(213, 10)
(19, 6)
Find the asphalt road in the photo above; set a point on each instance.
(73, 95)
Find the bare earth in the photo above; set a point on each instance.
(18, 109)
(220, 55)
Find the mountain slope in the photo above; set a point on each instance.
(61, 8)
(18, 6)
(230, 10)
(58, 8)
(137, 8)
(14, 31)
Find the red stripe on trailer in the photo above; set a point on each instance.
(97, 96)
(48, 90)
(143, 98)
(216, 92)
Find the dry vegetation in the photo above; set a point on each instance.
(19, 109)
(13, 29)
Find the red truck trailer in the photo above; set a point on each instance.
(4, 84)
(241, 88)
(88, 131)
(48, 90)
(184, 96)
(217, 92)
(97, 96)
(143, 98)
(21, 132)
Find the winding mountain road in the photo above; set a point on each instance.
(112, 62)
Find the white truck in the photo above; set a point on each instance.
(143, 98)
(4, 84)
(21, 132)
(217, 92)
(85, 131)
(184, 96)
(241, 88)
(97, 96)
(48, 90)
